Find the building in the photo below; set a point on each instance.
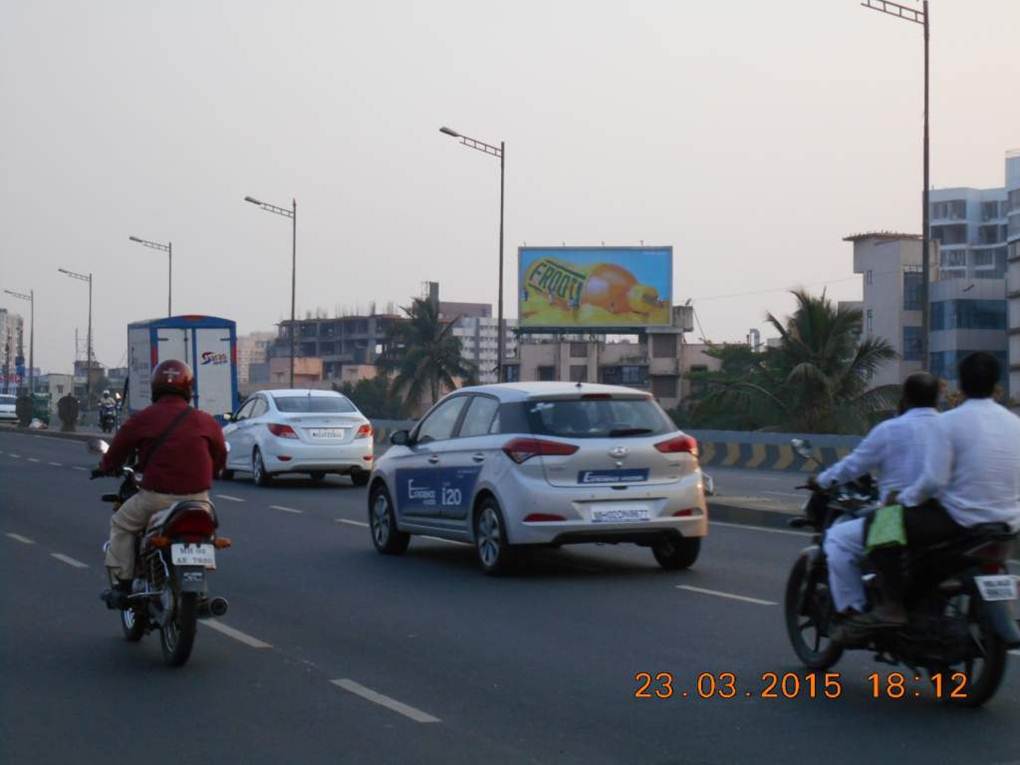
(967, 315)
(1013, 279)
(252, 348)
(11, 349)
(307, 372)
(337, 342)
(479, 333)
(970, 228)
(890, 265)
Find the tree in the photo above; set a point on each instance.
(424, 354)
(372, 397)
(817, 380)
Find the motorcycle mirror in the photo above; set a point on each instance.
(97, 446)
(802, 447)
(228, 417)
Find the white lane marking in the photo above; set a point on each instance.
(730, 595)
(32, 459)
(283, 509)
(79, 467)
(229, 497)
(242, 637)
(385, 701)
(759, 528)
(19, 538)
(69, 560)
(1015, 653)
(349, 522)
(56, 464)
(16, 456)
(448, 541)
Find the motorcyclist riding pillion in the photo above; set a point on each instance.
(895, 451)
(107, 400)
(179, 451)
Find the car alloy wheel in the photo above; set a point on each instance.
(490, 537)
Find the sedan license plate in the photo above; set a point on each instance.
(997, 587)
(619, 514)
(327, 432)
(193, 555)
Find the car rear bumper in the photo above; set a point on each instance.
(296, 457)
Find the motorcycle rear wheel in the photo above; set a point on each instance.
(177, 637)
(816, 651)
(984, 675)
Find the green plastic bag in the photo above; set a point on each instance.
(887, 528)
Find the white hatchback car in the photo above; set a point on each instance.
(299, 431)
(504, 466)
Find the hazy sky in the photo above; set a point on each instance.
(752, 136)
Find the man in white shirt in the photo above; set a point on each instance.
(895, 450)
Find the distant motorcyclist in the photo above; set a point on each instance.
(179, 451)
(895, 450)
(107, 399)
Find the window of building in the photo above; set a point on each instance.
(989, 211)
(546, 373)
(578, 350)
(912, 285)
(578, 373)
(1014, 200)
(912, 344)
(968, 314)
(664, 387)
(512, 372)
(869, 316)
(950, 234)
(945, 364)
(868, 277)
(664, 346)
(989, 234)
(634, 375)
(953, 258)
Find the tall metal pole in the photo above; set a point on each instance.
(293, 288)
(500, 340)
(170, 279)
(88, 353)
(31, 343)
(925, 231)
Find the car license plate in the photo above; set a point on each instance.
(327, 432)
(997, 587)
(193, 555)
(619, 514)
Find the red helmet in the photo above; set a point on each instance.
(172, 376)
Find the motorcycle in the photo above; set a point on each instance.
(172, 557)
(960, 627)
(108, 418)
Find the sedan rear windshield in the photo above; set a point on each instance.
(597, 418)
(313, 404)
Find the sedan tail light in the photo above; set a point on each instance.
(281, 431)
(365, 431)
(523, 449)
(680, 444)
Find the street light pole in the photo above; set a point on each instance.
(292, 214)
(88, 341)
(168, 248)
(500, 152)
(30, 297)
(918, 17)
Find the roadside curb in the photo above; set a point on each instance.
(50, 434)
(748, 516)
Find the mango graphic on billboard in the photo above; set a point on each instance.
(592, 288)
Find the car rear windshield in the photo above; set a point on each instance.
(597, 418)
(314, 404)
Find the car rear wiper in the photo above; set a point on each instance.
(620, 432)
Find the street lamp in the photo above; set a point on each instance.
(500, 153)
(88, 342)
(168, 248)
(918, 17)
(30, 297)
(292, 214)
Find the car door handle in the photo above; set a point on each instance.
(478, 457)
(434, 459)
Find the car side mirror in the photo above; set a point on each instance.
(401, 438)
(228, 417)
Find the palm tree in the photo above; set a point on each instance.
(817, 380)
(424, 354)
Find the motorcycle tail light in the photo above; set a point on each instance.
(222, 543)
(159, 541)
(192, 523)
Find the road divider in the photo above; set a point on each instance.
(385, 701)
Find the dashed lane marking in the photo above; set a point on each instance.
(19, 538)
(448, 541)
(230, 498)
(759, 528)
(384, 701)
(283, 509)
(33, 459)
(56, 464)
(16, 456)
(729, 595)
(349, 522)
(69, 560)
(241, 637)
(79, 467)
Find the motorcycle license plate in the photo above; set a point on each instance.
(193, 555)
(997, 587)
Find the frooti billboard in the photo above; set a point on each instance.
(595, 288)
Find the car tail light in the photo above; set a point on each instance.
(523, 449)
(680, 444)
(687, 512)
(365, 431)
(596, 397)
(281, 431)
(543, 518)
(192, 523)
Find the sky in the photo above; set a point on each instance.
(750, 136)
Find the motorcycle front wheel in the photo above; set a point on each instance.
(809, 612)
(177, 636)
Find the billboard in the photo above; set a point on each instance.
(594, 288)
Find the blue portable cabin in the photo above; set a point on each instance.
(207, 343)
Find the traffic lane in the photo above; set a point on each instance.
(768, 489)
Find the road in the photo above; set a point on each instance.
(332, 653)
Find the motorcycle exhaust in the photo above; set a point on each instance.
(213, 607)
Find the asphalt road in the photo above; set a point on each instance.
(333, 653)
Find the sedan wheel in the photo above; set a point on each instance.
(495, 554)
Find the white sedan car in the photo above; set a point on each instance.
(299, 431)
(8, 406)
(510, 465)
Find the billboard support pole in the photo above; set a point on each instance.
(500, 339)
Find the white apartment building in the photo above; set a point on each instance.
(479, 337)
(1013, 278)
(252, 348)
